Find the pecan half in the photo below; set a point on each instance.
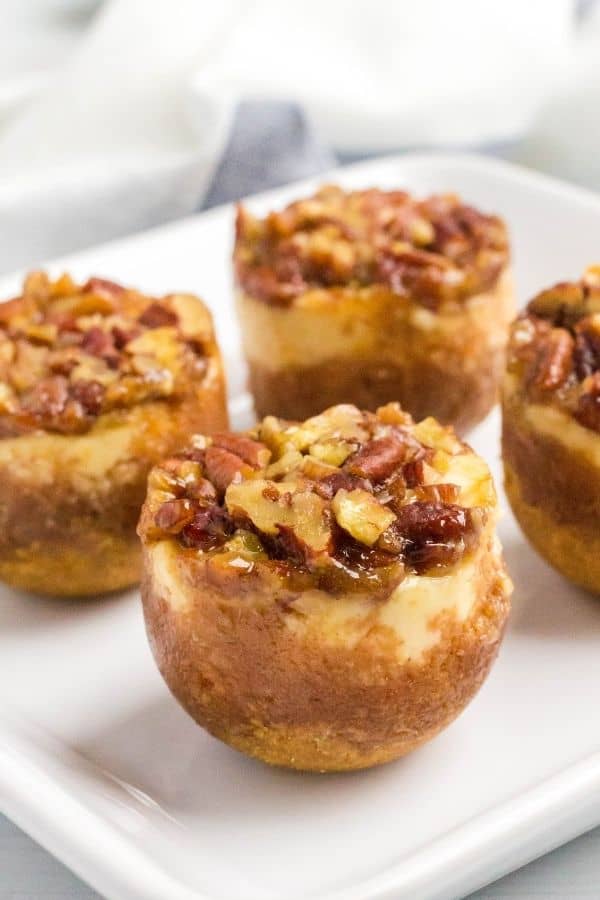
(554, 361)
(255, 453)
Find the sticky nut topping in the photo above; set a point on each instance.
(347, 500)
(433, 250)
(554, 348)
(69, 353)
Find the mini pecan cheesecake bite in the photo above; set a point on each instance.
(97, 383)
(372, 296)
(551, 426)
(326, 595)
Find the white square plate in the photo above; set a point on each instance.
(99, 764)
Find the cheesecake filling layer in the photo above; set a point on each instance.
(553, 422)
(413, 615)
(365, 323)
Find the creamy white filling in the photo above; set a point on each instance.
(564, 428)
(326, 325)
(162, 562)
(412, 612)
(555, 423)
(83, 458)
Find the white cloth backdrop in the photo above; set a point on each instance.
(128, 130)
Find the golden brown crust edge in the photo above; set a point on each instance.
(296, 701)
(466, 397)
(69, 530)
(448, 365)
(554, 493)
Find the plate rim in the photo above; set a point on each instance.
(489, 165)
(566, 803)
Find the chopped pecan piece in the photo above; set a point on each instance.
(173, 515)
(100, 343)
(562, 304)
(587, 347)
(210, 526)
(379, 458)
(588, 407)
(29, 365)
(132, 389)
(63, 361)
(414, 472)
(438, 493)
(430, 534)
(90, 394)
(270, 505)
(202, 489)
(328, 486)
(585, 356)
(122, 336)
(41, 333)
(222, 467)
(156, 315)
(7, 400)
(361, 515)
(102, 286)
(332, 452)
(163, 478)
(309, 536)
(48, 397)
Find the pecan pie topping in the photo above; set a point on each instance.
(69, 353)
(435, 249)
(555, 348)
(354, 501)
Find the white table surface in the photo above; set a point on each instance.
(571, 872)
